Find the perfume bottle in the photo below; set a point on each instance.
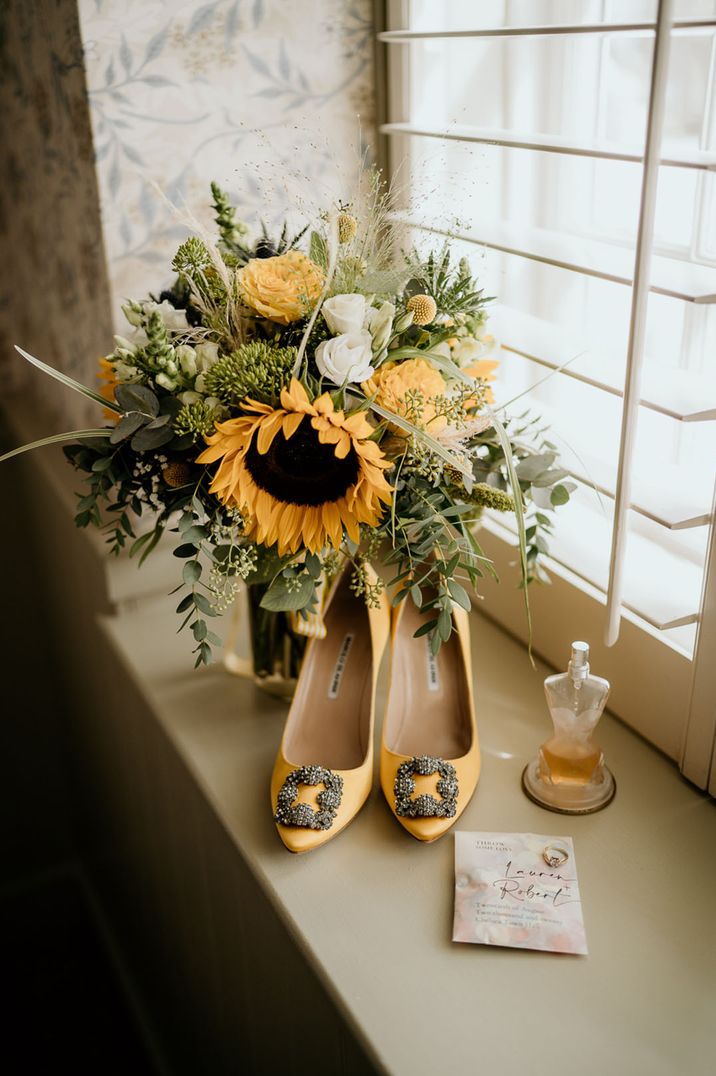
(569, 773)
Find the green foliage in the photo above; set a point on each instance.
(259, 370)
(192, 259)
(230, 230)
(195, 420)
(453, 288)
(490, 497)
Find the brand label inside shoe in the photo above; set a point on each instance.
(340, 666)
(431, 667)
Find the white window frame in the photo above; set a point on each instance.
(658, 690)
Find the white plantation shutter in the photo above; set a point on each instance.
(570, 149)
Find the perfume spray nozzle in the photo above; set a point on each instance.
(579, 661)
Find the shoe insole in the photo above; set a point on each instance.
(428, 709)
(329, 722)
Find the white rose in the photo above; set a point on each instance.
(344, 313)
(380, 323)
(206, 355)
(346, 358)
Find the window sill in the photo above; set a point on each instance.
(173, 771)
(372, 912)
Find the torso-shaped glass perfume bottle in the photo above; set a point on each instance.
(569, 773)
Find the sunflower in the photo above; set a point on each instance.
(300, 473)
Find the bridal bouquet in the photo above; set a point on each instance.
(293, 401)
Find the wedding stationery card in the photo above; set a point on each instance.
(511, 889)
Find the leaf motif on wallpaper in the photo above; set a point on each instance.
(148, 203)
(125, 55)
(109, 73)
(131, 154)
(258, 11)
(232, 24)
(257, 63)
(114, 178)
(125, 231)
(155, 46)
(156, 80)
(202, 18)
(284, 66)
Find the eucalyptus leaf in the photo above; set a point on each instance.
(202, 602)
(191, 572)
(559, 495)
(126, 426)
(280, 598)
(146, 439)
(550, 478)
(531, 467)
(137, 398)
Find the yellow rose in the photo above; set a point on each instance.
(283, 288)
(393, 381)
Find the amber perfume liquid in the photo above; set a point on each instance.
(569, 773)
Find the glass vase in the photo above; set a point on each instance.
(261, 645)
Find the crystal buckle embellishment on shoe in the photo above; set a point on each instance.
(425, 805)
(289, 813)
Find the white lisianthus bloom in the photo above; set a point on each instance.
(345, 313)
(165, 382)
(124, 372)
(187, 360)
(466, 350)
(189, 397)
(134, 317)
(206, 355)
(380, 324)
(442, 349)
(346, 358)
(174, 320)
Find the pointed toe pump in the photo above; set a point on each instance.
(324, 768)
(430, 755)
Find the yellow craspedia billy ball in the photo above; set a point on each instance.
(347, 227)
(283, 288)
(423, 308)
(176, 474)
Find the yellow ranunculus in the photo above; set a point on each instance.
(393, 381)
(283, 288)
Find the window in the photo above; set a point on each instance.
(530, 147)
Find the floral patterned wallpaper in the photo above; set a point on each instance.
(262, 95)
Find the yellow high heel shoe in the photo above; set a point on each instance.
(430, 742)
(324, 768)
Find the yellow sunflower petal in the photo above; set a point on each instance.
(295, 398)
(268, 430)
(291, 423)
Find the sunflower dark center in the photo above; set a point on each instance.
(301, 470)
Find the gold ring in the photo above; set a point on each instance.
(554, 855)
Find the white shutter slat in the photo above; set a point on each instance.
(398, 37)
(647, 564)
(678, 394)
(590, 257)
(672, 158)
